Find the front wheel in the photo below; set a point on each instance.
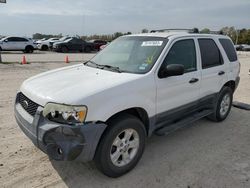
(223, 105)
(65, 49)
(29, 49)
(121, 146)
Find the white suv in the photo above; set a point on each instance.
(17, 44)
(47, 44)
(140, 84)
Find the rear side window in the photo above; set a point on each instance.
(229, 49)
(182, 52)
(210, 53)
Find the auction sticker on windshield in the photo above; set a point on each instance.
(152, 43)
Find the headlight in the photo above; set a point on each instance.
(65, 114)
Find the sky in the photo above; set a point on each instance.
(86, 17)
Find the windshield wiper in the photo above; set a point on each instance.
(91, 62)
(117, 69)
(109, 67)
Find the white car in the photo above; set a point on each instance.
(47, 44)
(245, 47)
(105, 108)
(17, 44)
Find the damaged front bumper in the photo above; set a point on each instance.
(60, 142)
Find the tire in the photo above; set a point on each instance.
(119, 127)
(44, 48)
(223, 105)
(64, 49)
(88, 49)
(29, 49)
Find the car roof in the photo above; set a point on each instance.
(178, 34)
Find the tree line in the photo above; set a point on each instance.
(238, 36)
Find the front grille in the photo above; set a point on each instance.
(27, 104)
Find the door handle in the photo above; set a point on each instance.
(193, 80)
(221, 73)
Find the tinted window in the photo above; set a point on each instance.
(229, 49)
(21, 39)
(76, 41)
(210, 53)
(182, 52)
(12, 39)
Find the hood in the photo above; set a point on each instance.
(70, 85)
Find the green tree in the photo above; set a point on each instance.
(205, 31)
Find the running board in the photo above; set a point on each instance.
(182, 123)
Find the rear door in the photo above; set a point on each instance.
(214, 70)
(21, 43)
(232, 59)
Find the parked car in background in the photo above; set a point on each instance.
(238, 47)
(98, 43)
(47, 44)
(73, 44)
(39, 41)
(245, 47)
(17, 44)
(104, 46)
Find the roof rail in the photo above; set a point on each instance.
(194, 30)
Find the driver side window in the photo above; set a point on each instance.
(182, 52)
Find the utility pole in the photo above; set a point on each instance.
(1, 1)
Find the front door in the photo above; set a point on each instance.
(179, 95)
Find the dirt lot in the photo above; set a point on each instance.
(40, 56)
(204, 155)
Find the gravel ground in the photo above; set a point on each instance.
(207, 154)
(39, 56)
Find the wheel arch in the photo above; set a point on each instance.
(138, 112)
(231, 84)
(29, 46)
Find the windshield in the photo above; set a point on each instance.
(67, 40)
(134, 54)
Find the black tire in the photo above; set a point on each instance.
(217, 115)
(44, 48)
(103, 153)
(64, 49)
(88, 49)
(29, 49)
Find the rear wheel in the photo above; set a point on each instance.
(121, 146)
(87, 49)
(223, 105)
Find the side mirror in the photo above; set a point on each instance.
(171, 70)
(6, 40)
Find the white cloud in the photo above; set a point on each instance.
(108, 16)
